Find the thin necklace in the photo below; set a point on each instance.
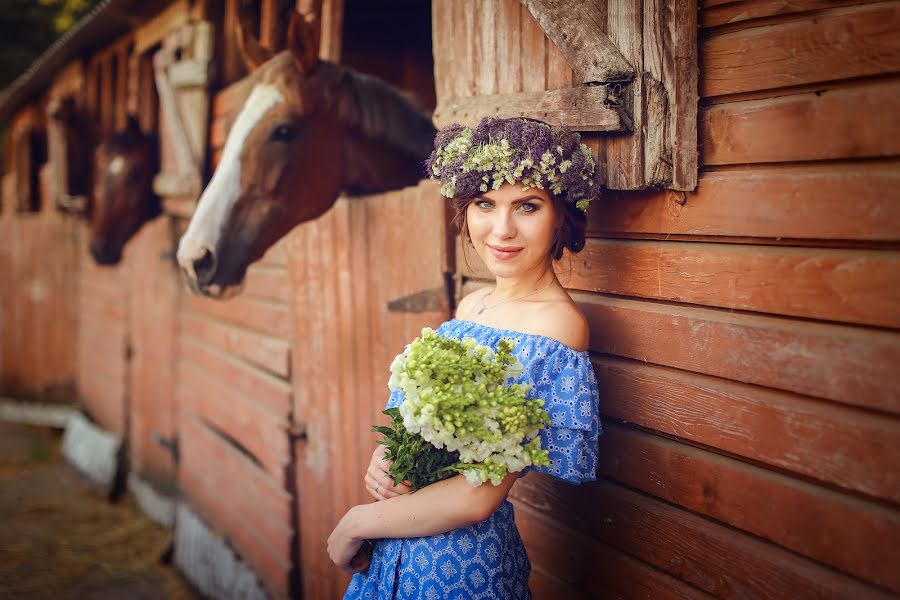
(484, 308)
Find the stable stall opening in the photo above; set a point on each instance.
(393, 44)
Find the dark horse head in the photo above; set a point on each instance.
(308, 131)
(123, 199)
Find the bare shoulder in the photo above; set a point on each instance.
(565, 322)
(467, 305)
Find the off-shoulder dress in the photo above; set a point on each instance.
(488, 559)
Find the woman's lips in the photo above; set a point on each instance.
(505, 252)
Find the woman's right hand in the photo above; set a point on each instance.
(379, 484)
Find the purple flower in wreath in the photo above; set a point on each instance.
(470, 161)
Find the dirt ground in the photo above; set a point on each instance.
(59, 539)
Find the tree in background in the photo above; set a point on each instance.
(28, 27)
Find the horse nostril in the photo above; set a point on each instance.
(205, 267)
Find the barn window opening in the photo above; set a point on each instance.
(391, 43)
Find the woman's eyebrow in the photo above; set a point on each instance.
(516, 201)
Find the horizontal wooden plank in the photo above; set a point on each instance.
(95, 326)
(851, 535)
(852, 286)
(225, 492)
(103, 308)
(843, 446)
(237, 507)
(266, 515)
(850, 122)
(264, 316)
(263, 491)
(729, 12)
(582, 109)
(263, 436)
(840, 363)
(267, 391)
(271, 354)
(595, 569)
(267, 281)
(858, 201)
(717, 559)
(837, 44)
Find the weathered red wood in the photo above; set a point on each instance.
(593, 568)
(852, 535)
(851, 122)
(260, 315)
(267, 390)
(717, 559)
(743, 12)
(852, 286)
(850, 365)
(252, 427)
(843, 446)
(265, 352)
(267, 281)
(792, 202)
(239, 502)
(837, 44)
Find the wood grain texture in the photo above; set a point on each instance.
(854, 122)
(716, 559)
(854, 286)
(226, 495)
(716, 14)
(624, 154)
(269, 353)
(577, 28)
(845, 364)
(837, 44)
(850, 201)
(842, 446)
(591, 567)
(670, 58)
(851, 535)
(581, 108)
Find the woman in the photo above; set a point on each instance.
(521, 189)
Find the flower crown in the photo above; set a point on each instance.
(470, 161)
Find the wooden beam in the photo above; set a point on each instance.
(153, 31)
(577, 29)
(585, 108)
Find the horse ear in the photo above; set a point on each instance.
(251, 51)
(303, 41)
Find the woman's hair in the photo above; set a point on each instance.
(568, 234)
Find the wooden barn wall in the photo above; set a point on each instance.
(745, 334)
(38, 311)
(346, 267)
(233, 365)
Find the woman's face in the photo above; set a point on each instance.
(512, 229)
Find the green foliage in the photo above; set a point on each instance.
(414, 459)
(28, 27)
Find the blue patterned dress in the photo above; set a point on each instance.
(488, 559)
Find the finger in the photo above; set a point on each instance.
(375, 490)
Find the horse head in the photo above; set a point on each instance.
(123, 199)
(308, 130)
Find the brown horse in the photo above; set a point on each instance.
(309, 130)
(123, 198)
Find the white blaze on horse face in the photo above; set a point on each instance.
(116, 165)
(215, 204)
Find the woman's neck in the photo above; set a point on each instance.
(534, 279)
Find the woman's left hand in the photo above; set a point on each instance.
(343, 545)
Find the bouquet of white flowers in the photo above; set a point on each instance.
(460, 413)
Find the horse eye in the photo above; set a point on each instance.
(283, 133)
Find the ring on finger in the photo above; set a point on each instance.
(377, 487)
